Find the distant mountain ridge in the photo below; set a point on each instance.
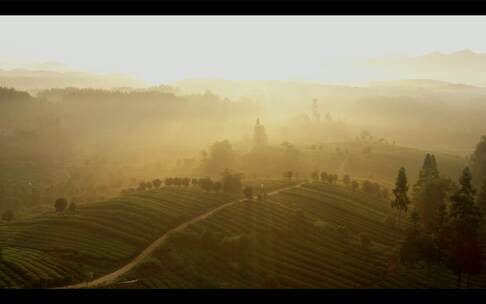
(34, 76)
(464, 66)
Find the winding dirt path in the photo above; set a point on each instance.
(109, 278)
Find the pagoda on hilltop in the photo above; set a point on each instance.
(260, 139)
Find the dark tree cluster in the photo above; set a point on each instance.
(450, 236)
(374, 189)
(231, 181)
(157, 183)
(178, 181)
(61, 204)
(430, 191)
(206, 184)
(328, 178)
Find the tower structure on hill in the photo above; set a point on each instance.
(259, 135)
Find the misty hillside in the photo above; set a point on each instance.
(441, 115)
(35, 80)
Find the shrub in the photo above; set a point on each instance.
(206, 184)
(248, 192)
(142, 186)
(231, 181)
(60, 204)
(177, 181)
(157, 183)
(185, 182)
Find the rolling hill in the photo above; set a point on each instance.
(52, 250)
(306, 237)
(56, 250)
(315, 235)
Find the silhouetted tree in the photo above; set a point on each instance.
(401, 200)
(194, 181)
(355, 185)
(248, 192)
(414, 217)
(157, 183)
(185, 182)
(60, 204)
(440, 238)
(332, 178)
(429, 192)
(231, 181)
(206, 184)
(142, 186)
(465, 217)
(324, 176)
(411, 249)
(169, 181)
(315, 175)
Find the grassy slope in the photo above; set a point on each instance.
(54, 250)
(289, 241)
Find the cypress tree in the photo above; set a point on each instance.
(401, 200)
(429, 191)
(439, 237)
(464, 251)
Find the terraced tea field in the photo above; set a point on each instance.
(56, 250)
(312, 236)
(289, 240)
(306, 237)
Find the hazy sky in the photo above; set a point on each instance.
(168, 48)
